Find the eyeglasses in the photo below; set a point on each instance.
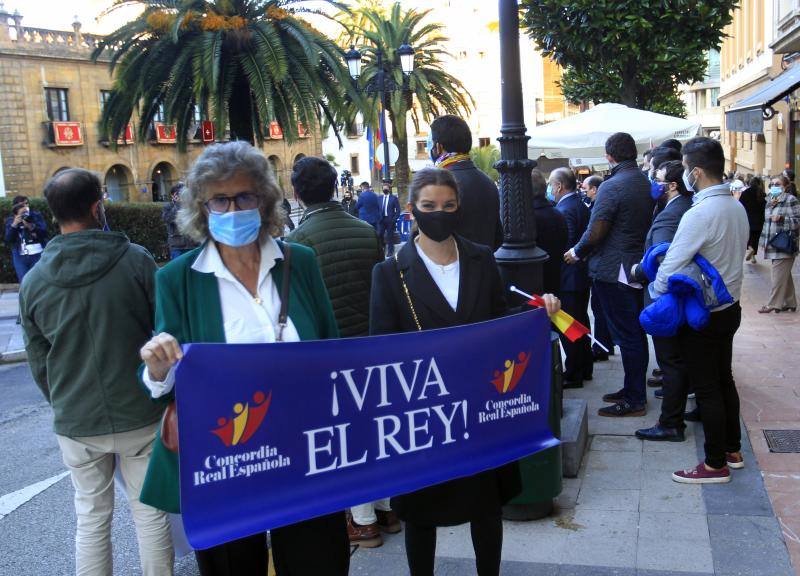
(243, 201)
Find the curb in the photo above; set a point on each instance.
(13, 356)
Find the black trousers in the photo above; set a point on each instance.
(487, 541)
(600, 331)
(708, 354)
(676, 381)
(310, 548)
(579, 363)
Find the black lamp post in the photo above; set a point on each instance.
(382, 84)
(519, 258)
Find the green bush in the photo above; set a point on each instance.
(140, 222)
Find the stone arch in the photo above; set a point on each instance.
(61, 169)
(279, 170)
(162, 175)
(297, 158)
(118, 183)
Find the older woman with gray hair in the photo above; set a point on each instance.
(230, 289)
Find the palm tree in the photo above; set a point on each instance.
(430, 90)
(485, 158)
(246, 62)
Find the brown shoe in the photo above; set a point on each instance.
(388, 521)
(367, 536)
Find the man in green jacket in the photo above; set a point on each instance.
(87, 308)
(347, 248)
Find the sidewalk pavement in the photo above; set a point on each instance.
(12, 346)
(623, 514)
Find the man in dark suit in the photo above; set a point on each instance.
(551, 234)
(390, 211)
(480, 201)
(574, 277)
(368, 206)
(675, 381)
(612, 243)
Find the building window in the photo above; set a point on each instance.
(105, 97)
(57, 104)
(483, 142)
(714, 100)
(422, 149)
(159, 116)
(354, 164)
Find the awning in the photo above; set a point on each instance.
(749, 114)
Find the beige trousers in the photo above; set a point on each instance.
(91, 461)
(781, 294)
(364, 514)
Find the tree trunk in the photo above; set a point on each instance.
(630, 84)
(401, 168)
(240, 111)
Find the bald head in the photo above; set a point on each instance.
(562, 182)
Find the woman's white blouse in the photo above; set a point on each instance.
(245, 319)
(447, 278)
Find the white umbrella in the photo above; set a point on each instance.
(584, 135)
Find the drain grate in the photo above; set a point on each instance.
(783, 441)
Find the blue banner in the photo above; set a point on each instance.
(271, 434)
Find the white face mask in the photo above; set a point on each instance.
(689, 185)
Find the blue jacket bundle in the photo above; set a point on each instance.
(691, 295)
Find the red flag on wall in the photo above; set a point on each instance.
(67, 134)
(208, 131)
(275, 131)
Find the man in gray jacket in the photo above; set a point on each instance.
(716, 228)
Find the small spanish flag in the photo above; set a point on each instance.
(565, 323)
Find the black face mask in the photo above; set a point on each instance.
(439, 225)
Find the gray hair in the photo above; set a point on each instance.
(220, 162)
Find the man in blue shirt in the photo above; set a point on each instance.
(613, 243)
(368, 206)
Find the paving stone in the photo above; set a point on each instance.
(669, 460)
(612, 479)
(596, 571)
(664, 553)
(615, 444)
(671, 527)
(660, 494)
(606, 460)
(748, 546)
(605, 499)
(602, 549)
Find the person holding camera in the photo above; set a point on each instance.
(26, 233)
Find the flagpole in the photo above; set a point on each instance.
(589, 334)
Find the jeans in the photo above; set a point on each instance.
(600, 326)
(579, 363)
(675, 379)
(622, 306)
(91, 461)
(23, 263)
(708, 354)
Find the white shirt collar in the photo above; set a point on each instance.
(564, 197)
(210, 262)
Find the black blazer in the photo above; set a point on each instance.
(551, 236)
(480, 205)
(663, 230)
(480, 297)
(574, 277)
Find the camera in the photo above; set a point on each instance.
(27, 218)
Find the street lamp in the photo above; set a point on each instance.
(382, 84)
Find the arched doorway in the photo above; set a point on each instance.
(118, 181)
(163, 177)
(277, 168)
(298, 158)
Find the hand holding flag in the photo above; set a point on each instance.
(566, 324)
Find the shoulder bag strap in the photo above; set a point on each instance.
(407, 293)
(283, 316)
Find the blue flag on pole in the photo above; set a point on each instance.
(272, 434)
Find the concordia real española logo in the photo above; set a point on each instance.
(513, 371)
(248, 418)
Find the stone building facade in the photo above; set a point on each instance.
(51, 97)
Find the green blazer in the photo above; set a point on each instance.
(188, 307)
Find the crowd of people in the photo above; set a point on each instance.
(104, 327)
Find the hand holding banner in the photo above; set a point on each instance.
(272, 434)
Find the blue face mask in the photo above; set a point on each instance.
(657, 189)
(429, 147)
(549, 193)
(775, 190)
(238, 228)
